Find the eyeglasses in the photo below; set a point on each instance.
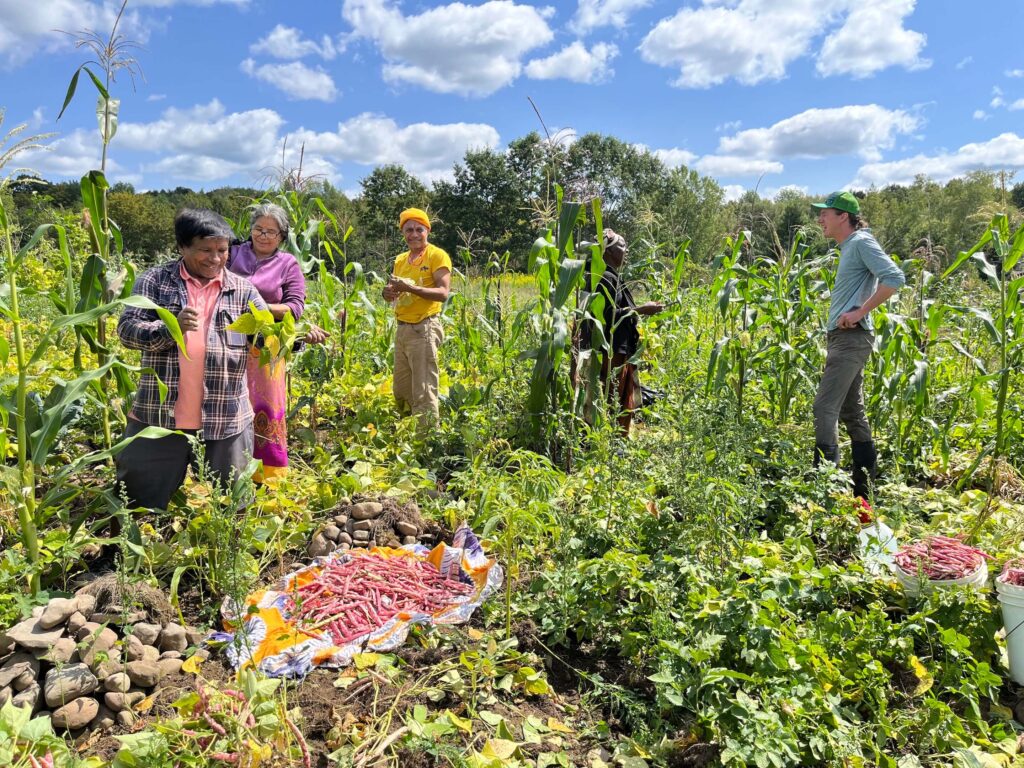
(261, 232)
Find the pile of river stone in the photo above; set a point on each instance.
(68, 661)
(363, 524)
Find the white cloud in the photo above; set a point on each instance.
(728, 127)
(455, 48)
(205, 142)
(864, 130)
(1004, 152)
(774, 193)
(287, 43)
(733, 192)
(722, 165)
(997, 98)
(29, 27)
(675, 157)
(980, 114)
(1014, 73)
(1018, 104)
(756, 40)
(426, 150)
(156, 97)
(576, 63)
(964, 62)
(873, 38)
(592, 14)
(68, 157)
(295, 80)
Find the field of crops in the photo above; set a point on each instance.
(693, 595)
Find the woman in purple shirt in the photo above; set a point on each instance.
(278, 278)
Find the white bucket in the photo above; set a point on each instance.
(914, 584)
(1011, 598)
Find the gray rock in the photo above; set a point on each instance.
(64, 651)
(64, 684)
(344, 538)
(366, 510)
(77, 714)
(151, 654)
(99, 645)
(171, 655)
(88, 629)
(194, 636)
(169, 666)
(24, 680)
(406, 528)
(144, 674)
(319, 546)
(38, 611)
(332, 532)
(6, 645)
(5, 694)
(341, 519)
(32, 635)
(56, 612)
(344, 546)
(362, 525)
(203, 653)
(107, 667)
(85, 603)
(118, 682)
(133, 648)
(16, 666)
(126, 718)
(363, 536)
(173, 638)
(33, 696)
(409, 539)
(118, 618)
(75, 622)
(121, 701)
(104, 719)
(147, 633)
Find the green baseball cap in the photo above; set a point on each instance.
(841, 201)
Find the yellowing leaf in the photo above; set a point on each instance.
(462, 723)
(146, 704)
(475, 634)
(366, 660)
(273, 345)
(500, 748)
(191, 664)
(924, 677)
(557, 725)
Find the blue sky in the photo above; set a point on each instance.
(776, 93)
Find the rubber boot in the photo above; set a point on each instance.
(865, 467)
(826, 451)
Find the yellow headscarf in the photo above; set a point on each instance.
(413, 214)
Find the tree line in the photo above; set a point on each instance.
(500, 200)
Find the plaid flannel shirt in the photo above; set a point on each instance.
(226, 408)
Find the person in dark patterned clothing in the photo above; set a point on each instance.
(207, 397)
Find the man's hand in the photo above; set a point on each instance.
(188, 319)
(316, 335)
(851, 319)
(650, 308)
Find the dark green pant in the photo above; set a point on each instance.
(150, 470)
(841, 391)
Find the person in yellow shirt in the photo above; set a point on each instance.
(419, 286)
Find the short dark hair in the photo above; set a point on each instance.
(201, 223)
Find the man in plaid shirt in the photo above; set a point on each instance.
(207, 397)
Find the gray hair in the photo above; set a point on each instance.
(274, 211)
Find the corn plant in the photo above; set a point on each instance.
(557, 278)
(733, 288)
(1005, 329)
(38, 421)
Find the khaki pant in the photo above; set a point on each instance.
(416, 373)
(841, 394)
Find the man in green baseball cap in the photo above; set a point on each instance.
(865, 279)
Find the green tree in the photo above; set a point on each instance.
(386, 192)
(146, 222)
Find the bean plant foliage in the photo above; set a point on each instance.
(694, 594)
